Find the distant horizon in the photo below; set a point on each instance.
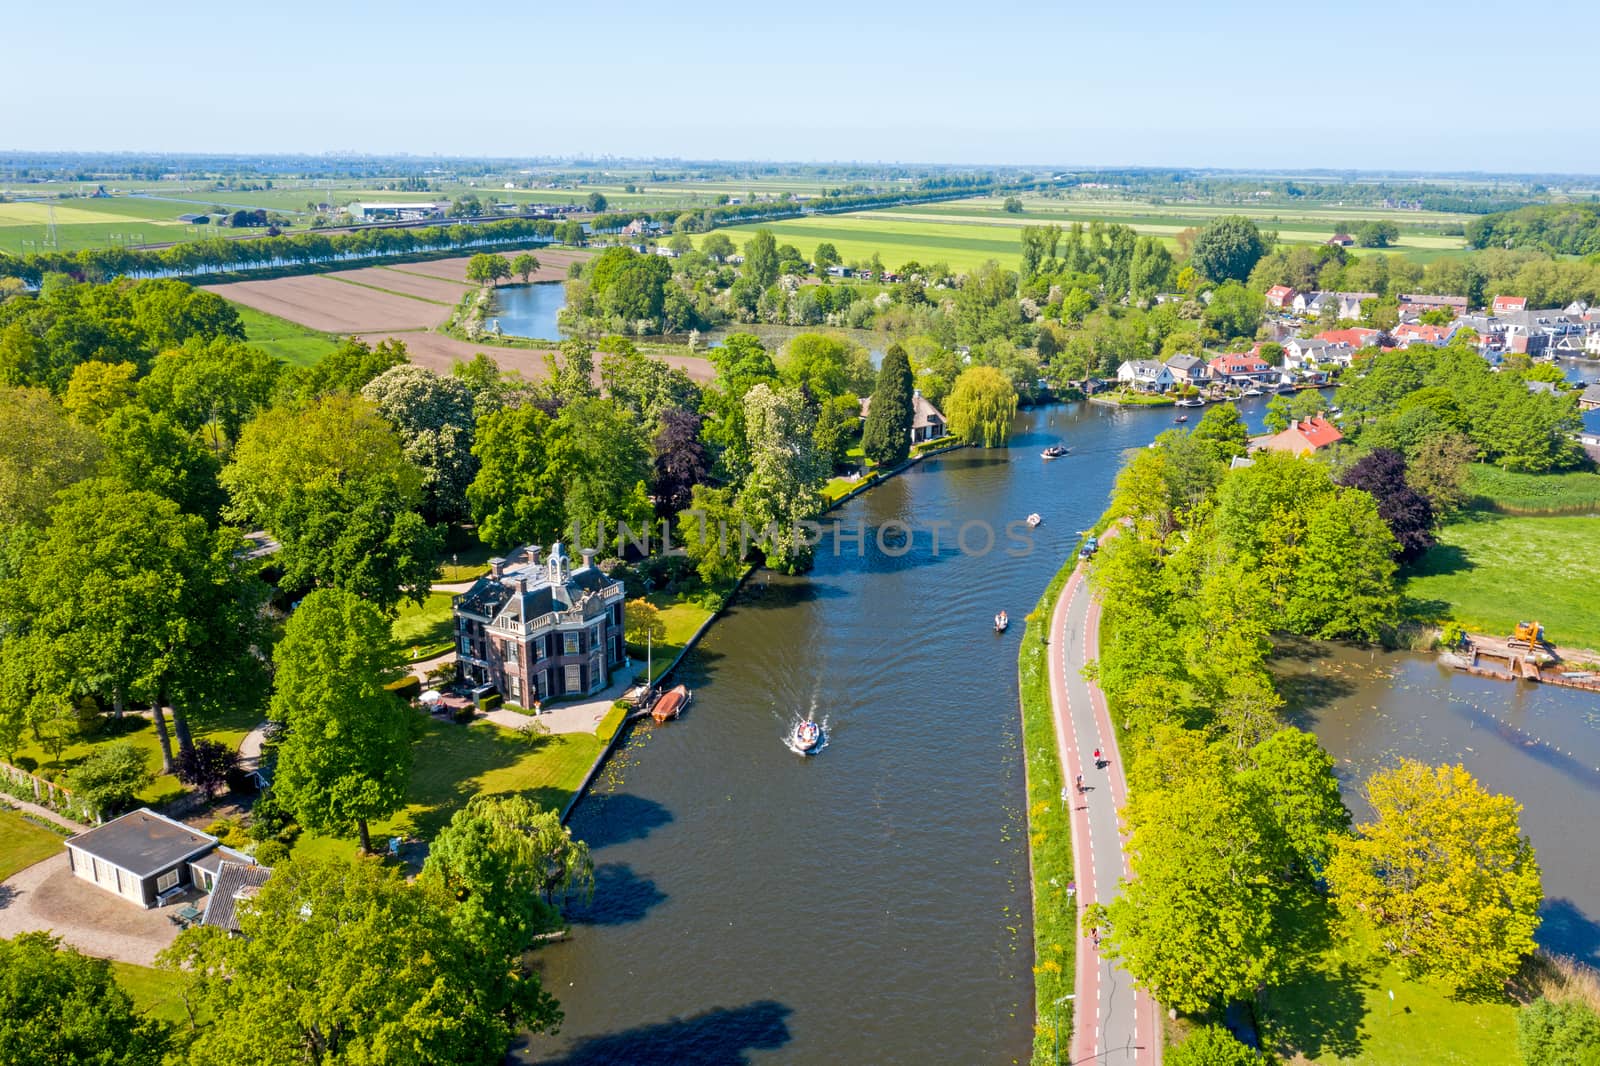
(1220, 85)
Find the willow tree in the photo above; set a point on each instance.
(886, 438)
(980, 406)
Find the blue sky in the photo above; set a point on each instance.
(1400, 84)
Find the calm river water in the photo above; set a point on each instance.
(870, 904)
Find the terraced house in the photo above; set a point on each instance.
(541, 630)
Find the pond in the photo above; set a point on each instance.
(529, 310)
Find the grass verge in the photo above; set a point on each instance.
(1493, 489)
(1490, 570)
(23, 843)
(1049, 834)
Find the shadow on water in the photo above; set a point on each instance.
(763, 592)
(1567, 930)
(719, 1037)
(610, 818)
(620, 896)
(1306, 694)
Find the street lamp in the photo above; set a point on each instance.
(1063, 999)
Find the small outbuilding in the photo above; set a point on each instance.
(147, 858)
(236, 884)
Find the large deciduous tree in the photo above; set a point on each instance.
(516, 496)
(344, 962)
(886, 436)
(1382, 474)
(761, 259)
(785, 475)
(61, 1006)
(42, 451)
(679, 460)
(602, 459)
(1228, 249)
(1445, 873)
(434, 417)
(332, 483)
(212, 388)
(345, 756)
(980, 406)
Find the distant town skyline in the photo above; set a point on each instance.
(1151, 84)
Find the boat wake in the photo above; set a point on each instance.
(792, 737)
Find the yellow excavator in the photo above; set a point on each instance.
(1528, 635)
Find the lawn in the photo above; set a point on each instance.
(23, 843)
(464, 557)
(1495, 489)
(1339, 1014)
(285, 340)
(140, 731)
(1490, 570)
(158, 993)
(1055, 922)
(454, 762)
(681, 617)
(428, 628)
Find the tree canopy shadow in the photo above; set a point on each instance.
(1566, 930)
(620, 897)
(1442, 559)
(718, 1037)
(609, 818)
(1306, 694)
(761, 592)
(7, 894)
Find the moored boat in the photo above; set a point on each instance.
(671, 703)
(1181, 418)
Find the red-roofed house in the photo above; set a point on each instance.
(1409, 333)
(1355, 337)
(1303, 438)
(1241, 366)
(1280, 296)
(1506, 304)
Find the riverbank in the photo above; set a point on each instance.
(1049, 834)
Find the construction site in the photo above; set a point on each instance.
(1527, 656)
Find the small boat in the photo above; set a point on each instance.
(671, 703)
(1252, 391)
(1055, 451)
(807, 735)
(1192, 401)
(1001, 621)
(1181, 418)
(1034, 519)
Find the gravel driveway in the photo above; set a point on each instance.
(47, 896)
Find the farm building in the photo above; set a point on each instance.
(407, 212)
(146, 857)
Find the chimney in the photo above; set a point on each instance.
(497, 567)
(588, 558)
(533, 551)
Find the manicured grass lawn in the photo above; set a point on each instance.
(1055, 919)
(1340, 1013)
(141, 733)
(22, 843)
(681, 619)
(1490, 571)
(465, 561)
(285, 340)
(1502, 490)
(453, 763)
(158, 993)
(428, 626)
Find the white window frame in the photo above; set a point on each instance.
(573, 678)
(569, 644)
(167, 881)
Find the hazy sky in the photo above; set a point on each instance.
(1397, 84)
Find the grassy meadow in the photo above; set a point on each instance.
(1491, 570)
(285, 340)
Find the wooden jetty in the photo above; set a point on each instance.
(1503, 661)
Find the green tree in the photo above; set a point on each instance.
(516, 496)
(346, 752)
(108, 779)
(980, 406)
(525, 266)
(97, 389)
(825, 256)
(838, 427)
(301, 984)
(709, 533)
(629, 288)
(506, 860)
(601, 457)
(1211, 1045)
(1291, 777)
(1228, 249)
(487, 268)
(718, 246)
(786, 473)
(1234, 311)
(212, 388)
(433, 416)
(1558, 1034)
(1276, 416)
(41, 453)
(332, 483)
(596, 203)
(1224, 431)
(1377, 234)
(826, 366)
(761, 258)
(1446, 874)
(1013, 206)
(63, 1006)
(886, 436)
(346, 369)
(150, 452)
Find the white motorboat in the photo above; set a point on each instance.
(1034, 519)
(1253, 391)
(1192, 401)
(1055, 451)
(806, 736)
(1001, 621)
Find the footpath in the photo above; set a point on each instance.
(1112, 1021)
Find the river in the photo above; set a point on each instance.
(870, 904)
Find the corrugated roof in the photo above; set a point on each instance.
(234, 879)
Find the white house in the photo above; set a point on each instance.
(1310, 352)
(1146, 375)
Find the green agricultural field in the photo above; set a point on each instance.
(1490, 570)
(23, 843)
(861, 235)
(285, 340)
